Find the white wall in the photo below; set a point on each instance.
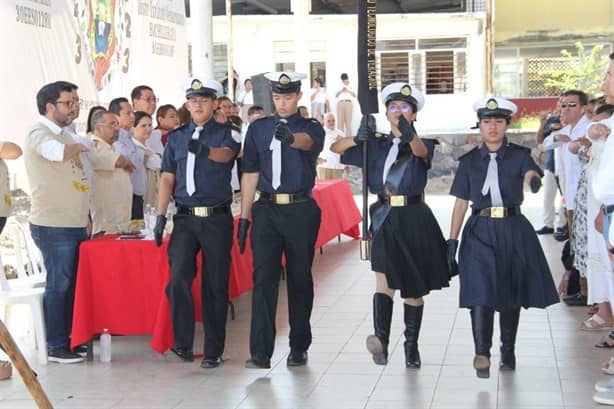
(253, 53)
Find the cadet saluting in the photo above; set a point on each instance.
(279, 159)
(501, 263)
(408, 251)
(196, 168)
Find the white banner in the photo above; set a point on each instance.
(106, 47)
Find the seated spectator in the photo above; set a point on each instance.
(303, 111)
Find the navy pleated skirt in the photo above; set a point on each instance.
(411, 250)
(502, 265)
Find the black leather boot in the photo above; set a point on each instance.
(481, 325)
(413, 321)
(508, 325)
(377, 344)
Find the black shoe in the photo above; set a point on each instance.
(578, 301)
(258, 363)
(63, 355)
(180, 355)
(297, 358)
(561, 234)
(545, 230)
(208, 363)
(81, 350)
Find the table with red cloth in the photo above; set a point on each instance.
(121, 283)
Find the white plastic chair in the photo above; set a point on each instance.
(33, 297)
(29, 264)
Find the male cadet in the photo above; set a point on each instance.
(196, 171)
(112, 194)
(280, 155)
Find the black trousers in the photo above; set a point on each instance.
(293, 230)
(212, 235)
(137, 207)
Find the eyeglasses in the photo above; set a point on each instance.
(569, 104)
(69, 104)
(396, 108)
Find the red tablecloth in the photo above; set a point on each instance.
(120, 283)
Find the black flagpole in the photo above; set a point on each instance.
(367, 98)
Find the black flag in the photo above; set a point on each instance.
(367, 75)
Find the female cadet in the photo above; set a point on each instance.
(501, 264)
(408, 248)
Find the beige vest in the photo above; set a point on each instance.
(112, 191)
(60, 191)
(5, 190)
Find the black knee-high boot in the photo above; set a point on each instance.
(413, 321)
(377, 344)
(481, 325)
(508, 325)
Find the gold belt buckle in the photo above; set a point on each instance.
(497, 212)
(282, 198)
(202, 211)
(398, 200)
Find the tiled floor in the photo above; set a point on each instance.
(557, 364)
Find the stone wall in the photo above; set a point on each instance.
(450, 148)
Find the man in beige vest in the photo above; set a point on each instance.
(8, 150)
(112, 191)
(59, 213)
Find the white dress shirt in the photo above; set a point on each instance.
(332, 159)
(603, 179)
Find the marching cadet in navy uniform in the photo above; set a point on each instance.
(408, 248)
(502, 265)
(279, 159)
(196, 168)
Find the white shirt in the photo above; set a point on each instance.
(332, 159)
(603, 179)
(246, 98)
(570, 161)
(320, 95)
(155, 142)
(344, 94)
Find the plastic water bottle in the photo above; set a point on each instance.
(105, 346)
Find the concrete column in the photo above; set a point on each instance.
(300, 30)
(200, 35)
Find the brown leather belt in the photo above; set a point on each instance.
(497, 212)
(285, 198)
(399, 200)
(202, 211)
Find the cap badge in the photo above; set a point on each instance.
(492, 104)
(406, 90)
(284, 79)
(196, 84)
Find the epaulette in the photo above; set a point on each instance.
(516, 146)
(315, 121)
(181, 128)
(475, 148)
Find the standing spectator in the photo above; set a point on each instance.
(196, 172)
(345, 104)
(253, 113)
(329, 164)
(59, 213)
(125, 146)
(89, 130)
(112, 199)
(246, 99)
(8, 151)
(279, 159)
(548, 124)
(303, 111)
(144, 100)
(148, 169)
(319, 100)
(167, 118)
